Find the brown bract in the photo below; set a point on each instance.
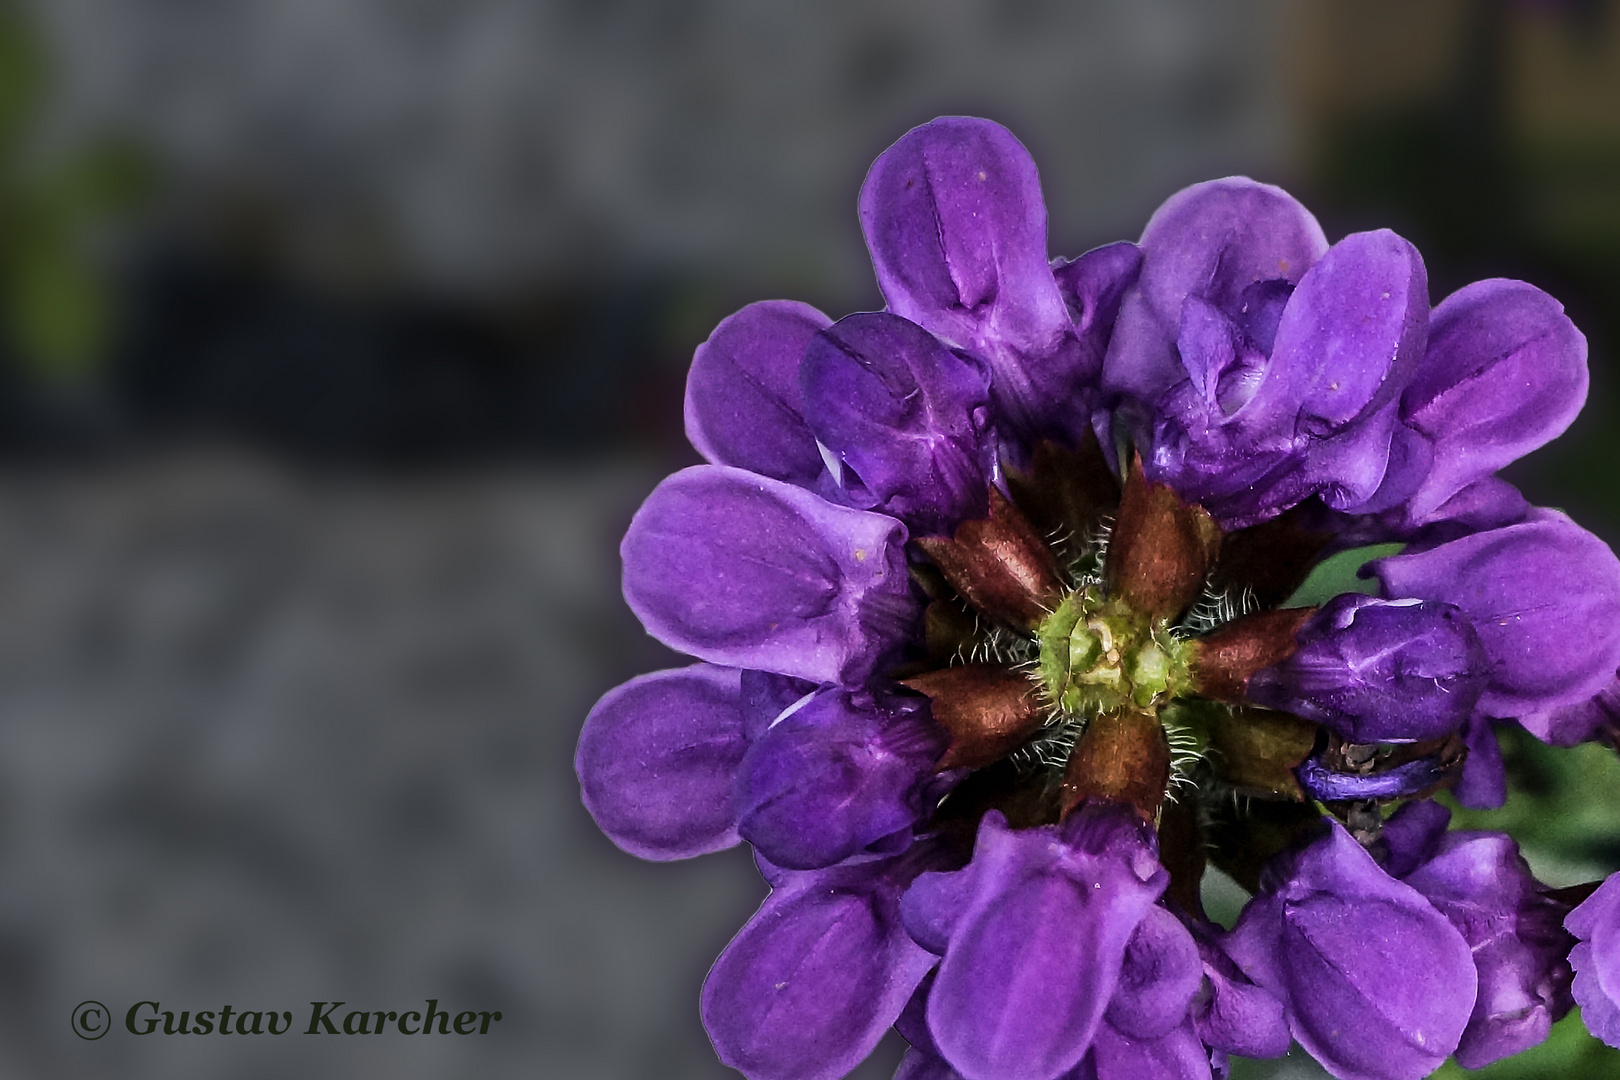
(1273, 558)
(1000, 566)
(1064, 492)
(989, 711)
(1124, 757)
(1224, 660)
(1162, 548)
(1257, 750)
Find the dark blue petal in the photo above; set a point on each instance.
(835, 776)
(739, 569)
(906, 414)
(658, 758)
(743, 405)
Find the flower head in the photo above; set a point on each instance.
(1016, 604)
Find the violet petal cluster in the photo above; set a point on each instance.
(989, 594)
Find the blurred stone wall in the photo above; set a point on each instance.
(481, 144)
(268, 737)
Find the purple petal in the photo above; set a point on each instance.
(1093, 286)
(1161, 973)
(1596, 960)
(921, 1065)
(810, 984)
(739, 569)
(1481, 883)
(1505, 373)
(1351, 334)
(1203, 443)
(1176, 1055)
(1033, 961)
(1598, 717)
(906, 414)
(1346, 469)
(743, 404)
(956, 225)
(1242, 1018)
(835, 776)
(912, 1023)
(1213, 241)
(1405, 467)
(934, 905)
(1379, 670)
(1544, 597)
(1377, 984)
(1329, 785)
(1483, 784)
(1412, 835)
(1234, 1015)
(1485, 504)
(1600, 1006)
(657, 760)
(766, 696)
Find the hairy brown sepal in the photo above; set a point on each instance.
(1181, 850)
(1065, 493)
(1223, 661)
(1000, 565)
(1122, 756)
(1271, 559)
(989, 711)
(1161, 550)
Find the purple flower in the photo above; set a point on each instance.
(982, 692)
(1480, 882)
(1379, 670)
(1596, 960)
(1271, 362)
(1376, 983)
(834, 776)
(1598, 717)
(956, 225)
(739, 569)
(807, 988)
(657, 759)
(1262, 366)
(1544, 598)
(1033, 935)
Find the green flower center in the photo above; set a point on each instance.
(1097, 656)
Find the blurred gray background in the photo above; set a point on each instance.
(339, 339)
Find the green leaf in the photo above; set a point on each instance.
(1338, 574)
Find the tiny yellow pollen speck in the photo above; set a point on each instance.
(780, 985)
(860, 554)
(981, 174)
(1333, 386)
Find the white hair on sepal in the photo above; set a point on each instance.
(1186, 754)
(1213, 609)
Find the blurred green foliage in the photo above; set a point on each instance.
(1341, 573)
(56, 306)
(1563, 808)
